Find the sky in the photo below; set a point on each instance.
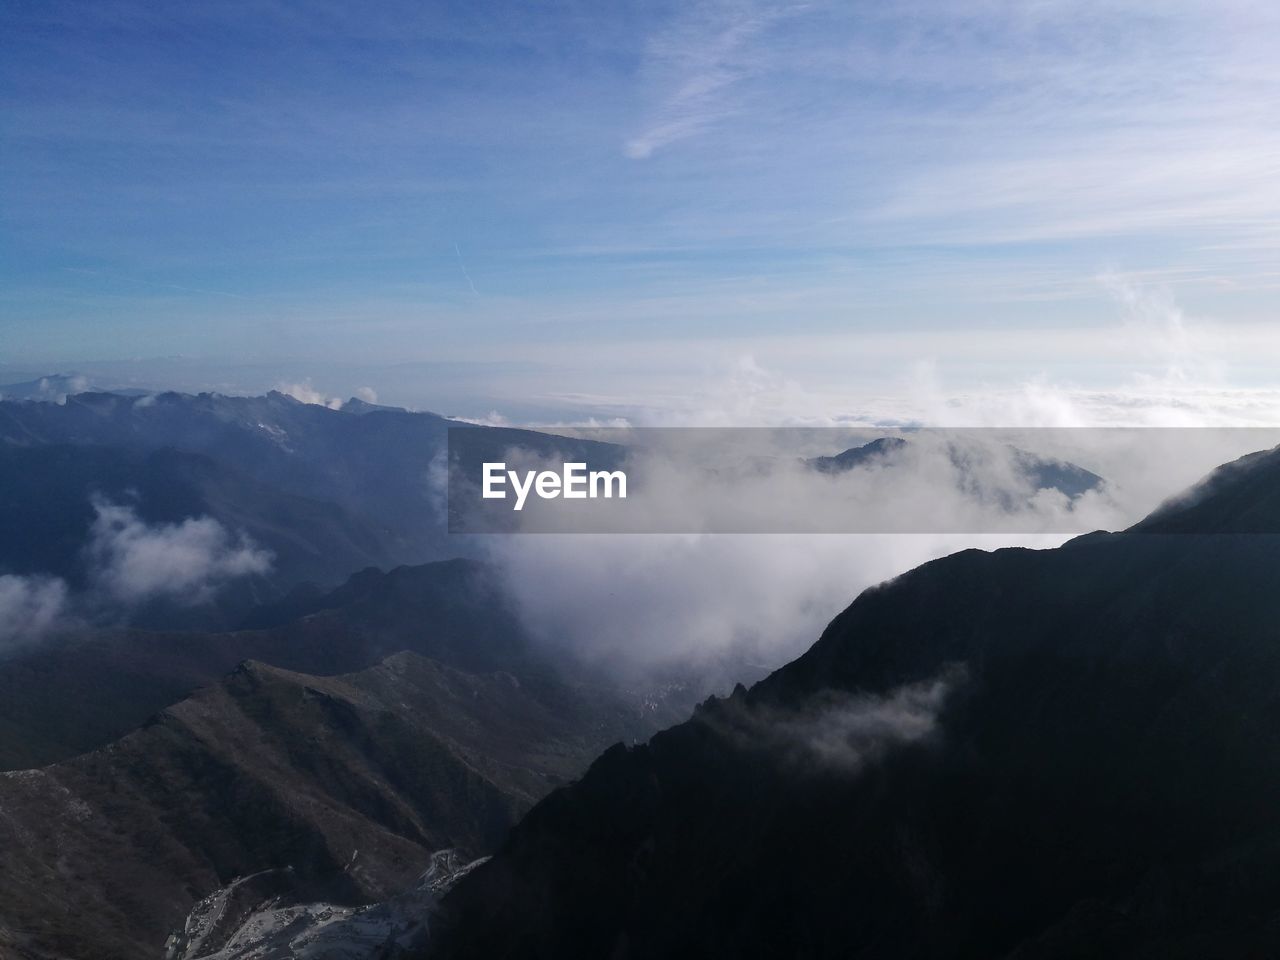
(564, 209)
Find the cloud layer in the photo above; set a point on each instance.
(761, 599)
(655, 602)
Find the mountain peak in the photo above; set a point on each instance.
(857, 456)
(1242, 496)
(360, 407)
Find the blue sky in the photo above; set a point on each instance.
(641, 193)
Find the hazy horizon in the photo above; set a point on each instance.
(730, 210)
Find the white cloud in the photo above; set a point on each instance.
(186, 562)
(62, 387)
(305, 393)
(131, 562)
(491, 419)
(839, 731)
(644, 601)
(655, 598)
(1143, 360)
(30, 608)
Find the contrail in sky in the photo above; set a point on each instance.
(464, 269)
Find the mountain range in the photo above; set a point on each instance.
(322, 491)
(1033, 471)
(86, 687)
(1017, 753)
(427, 722)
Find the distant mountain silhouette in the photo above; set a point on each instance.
(327, 491)
(854, 457)
(373, 465)
(56, 387)
(1021, 754)
(1038, 472)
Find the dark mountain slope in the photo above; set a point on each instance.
(351, 781)
(1042, 754)
(1239, 497)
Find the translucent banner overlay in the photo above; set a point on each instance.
(839, 480)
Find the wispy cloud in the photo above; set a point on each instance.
(130, 562)
(693, 66)
(465, 274)
(814, 172)
(837, 731)
(30, 608)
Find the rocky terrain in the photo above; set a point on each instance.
(349, 783)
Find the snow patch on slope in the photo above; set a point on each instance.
(275, 931)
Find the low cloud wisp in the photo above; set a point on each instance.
(186, 562)
(130, 562)
(30, 609)
(838, 731)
